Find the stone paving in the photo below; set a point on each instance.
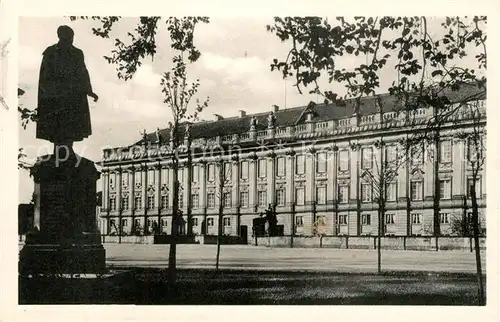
(292, 259)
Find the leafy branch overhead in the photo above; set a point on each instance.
(142, 40)
(419, 58)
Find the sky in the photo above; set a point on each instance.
(234, 72)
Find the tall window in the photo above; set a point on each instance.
(262, 198)
(244, 170)
(445, 189)
(321, 162)
(125, 202)
(417, 155)
(181, 200)
(299, 196)
(416, 191)
(300, 164)
(112, 203)
(227, 171)
(124, 222)
(164, 223)
(299, 221)
(366, 192)
(195, 200)
(321, 195)
(244, 199)
(344, 160)
(210, 222)
(211, 172)
(211, 200)
(196, 173)
(138, 202)
(164, 201)
(112, 181)
(280, 165)
(194, 222)
(321, 220)
(227, 221)
(151, 177)
(227, 199)
(444, 218)
(137, 223)
(151, 202)
(125, 179)
(164, 176)
(470, 182)
(391, 153)
(389, 219)
(366, 220)
(474, 149)
(343, 193)
(180, 175)
(445, 151)
(367, 158)
(416, 219)
(280, 197)
(391, 191)
(262, 165)
(343, 220)
(138, 177)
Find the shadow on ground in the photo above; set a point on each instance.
(148, 286)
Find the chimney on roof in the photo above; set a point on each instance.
(276, 108)
(243, 113)
(218, 117)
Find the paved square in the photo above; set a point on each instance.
(313, 259)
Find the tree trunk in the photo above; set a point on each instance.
(219, 231)
(437, 215)
(475, 228)
(379, 250)
(221, 213)
(175, 218)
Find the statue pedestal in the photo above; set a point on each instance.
(65, 238)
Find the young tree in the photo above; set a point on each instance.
(224, 175)
(177, 91)
(475, 137)
(378, 180)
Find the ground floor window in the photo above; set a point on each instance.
(210, 222)
(389, 219)
(299, 221)
(227, 221)
(366, 220)
(342, 219)
(416, 219)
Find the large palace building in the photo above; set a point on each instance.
(318, 165)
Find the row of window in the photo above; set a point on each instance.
(416, 219)
(391, 156)
(163, 222)
(367, 189)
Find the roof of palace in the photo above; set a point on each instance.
(321, 112)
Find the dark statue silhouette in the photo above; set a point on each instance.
(64, 84)
(65, 236)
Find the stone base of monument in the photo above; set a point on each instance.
(65, 238)
(61, 259)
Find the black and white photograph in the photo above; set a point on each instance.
(281, 159)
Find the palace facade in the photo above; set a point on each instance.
(319, 165)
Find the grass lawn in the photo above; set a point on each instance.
(138, 285)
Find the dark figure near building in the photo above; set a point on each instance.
(64, 84)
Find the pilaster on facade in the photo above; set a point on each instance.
(271, 177)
